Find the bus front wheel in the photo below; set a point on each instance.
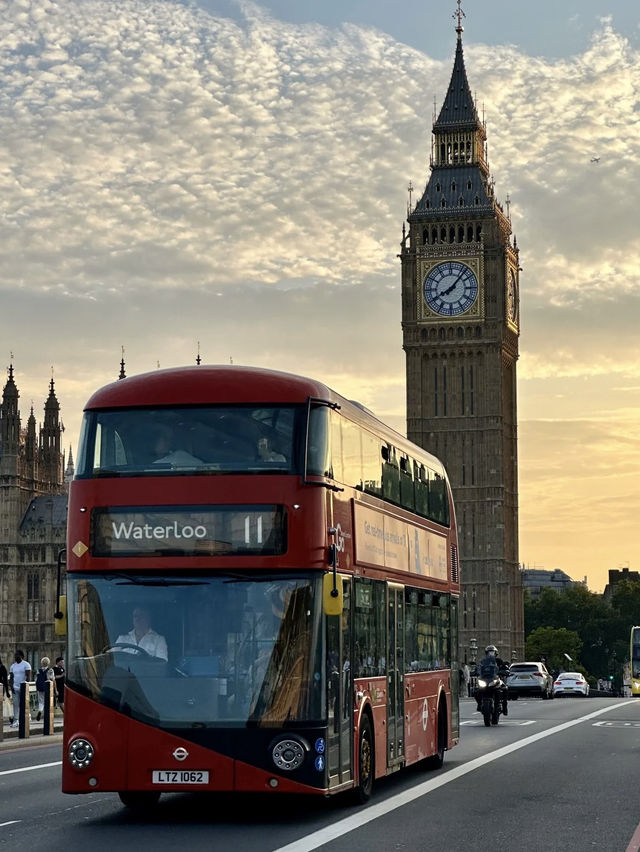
(365, 761)
(139, 800)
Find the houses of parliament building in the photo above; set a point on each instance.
(34, 480)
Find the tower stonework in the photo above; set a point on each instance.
(460, 321)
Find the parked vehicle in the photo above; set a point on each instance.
(527, 679)
(571, 683)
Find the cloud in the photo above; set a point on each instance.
(170, 176)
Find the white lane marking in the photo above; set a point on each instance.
(11, 822)
(344, 826)
(513, 723)
(30, 768)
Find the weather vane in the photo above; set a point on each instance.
(459, 14)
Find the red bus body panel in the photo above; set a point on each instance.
(127, 751)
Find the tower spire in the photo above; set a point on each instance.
(459, 14)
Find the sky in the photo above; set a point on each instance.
(233, 176)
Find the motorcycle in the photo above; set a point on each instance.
(491, 696)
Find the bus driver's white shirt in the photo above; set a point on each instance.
(153, 643)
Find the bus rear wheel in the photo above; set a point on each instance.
(139, 800)
(365, 762)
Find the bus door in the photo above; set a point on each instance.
(395, 675)
(340, 692)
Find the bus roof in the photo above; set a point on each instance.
(234, 384)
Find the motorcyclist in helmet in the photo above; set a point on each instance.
(493, 666)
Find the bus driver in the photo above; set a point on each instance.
(144, 636)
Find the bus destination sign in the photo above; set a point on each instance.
(188, 531)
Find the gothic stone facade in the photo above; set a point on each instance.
(33, 522)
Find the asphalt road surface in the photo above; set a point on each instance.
(559, 774)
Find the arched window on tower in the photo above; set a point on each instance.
(434, 236)
(425, 237)
(469, 233)
(478, 232)
(443, 203)
(460, 233)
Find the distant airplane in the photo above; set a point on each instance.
(595, 159)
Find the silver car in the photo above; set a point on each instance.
(529, 679)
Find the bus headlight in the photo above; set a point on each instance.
(80, 753)
(288, 754)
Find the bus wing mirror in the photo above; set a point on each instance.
(332, 595)
(60, 626)
(60, 615)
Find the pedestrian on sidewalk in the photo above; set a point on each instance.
(19, 673)
(58, 671)
(6, 692)
(45, 674)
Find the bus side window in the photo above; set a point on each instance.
(407, 498)
(390, 475)
(421, 488)
(371, 470)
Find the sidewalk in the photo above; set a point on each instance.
(10, 737)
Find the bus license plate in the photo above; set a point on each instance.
(180, 776)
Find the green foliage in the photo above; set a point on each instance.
(603, 628)
(551, 644)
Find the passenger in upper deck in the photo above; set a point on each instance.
(266, 451)
(166, 453)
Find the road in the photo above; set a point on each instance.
(556, 774)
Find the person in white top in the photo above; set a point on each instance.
(19, 673)
(143, 636)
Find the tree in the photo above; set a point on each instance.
(551, 644)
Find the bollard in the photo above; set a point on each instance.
(24, 716)
(47, 727)
(2, 705)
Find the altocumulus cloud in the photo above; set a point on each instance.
(169, 175)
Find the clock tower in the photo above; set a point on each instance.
(460, 321)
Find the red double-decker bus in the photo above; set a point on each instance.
(262, 590)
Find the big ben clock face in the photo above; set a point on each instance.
(450, 288)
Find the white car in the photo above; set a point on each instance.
(570, 683)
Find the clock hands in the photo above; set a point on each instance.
(452, 287)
